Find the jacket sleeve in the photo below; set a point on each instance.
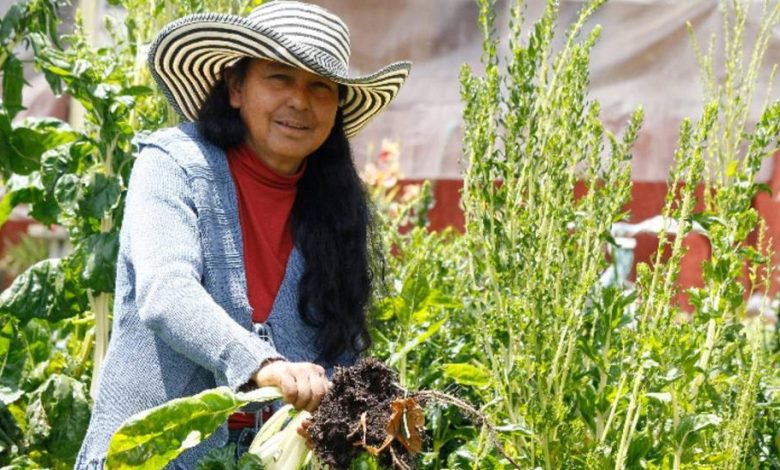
(165, 250)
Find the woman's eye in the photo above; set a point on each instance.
(280, 77)
(322, 86)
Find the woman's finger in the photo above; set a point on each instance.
(304, 393)
(289, 387)
(319, 386)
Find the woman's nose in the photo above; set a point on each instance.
(298, 97)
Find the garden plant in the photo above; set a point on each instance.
(560, 369)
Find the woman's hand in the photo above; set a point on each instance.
(303, 384)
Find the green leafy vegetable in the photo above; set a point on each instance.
(154, 437)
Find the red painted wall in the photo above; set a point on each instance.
(647, 201)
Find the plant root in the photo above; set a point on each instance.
(474, 414)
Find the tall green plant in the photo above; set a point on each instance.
(589, 375)
(530, 134)
(75, 177)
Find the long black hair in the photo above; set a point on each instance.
(332, 228)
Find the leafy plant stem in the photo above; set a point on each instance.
(613, 409)
(628, 425)
(703, 363)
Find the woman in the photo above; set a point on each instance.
(244, 251)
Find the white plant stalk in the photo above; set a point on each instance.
(278, 443)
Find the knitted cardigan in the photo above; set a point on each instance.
(182, 321)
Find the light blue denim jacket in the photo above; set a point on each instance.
(182, 320)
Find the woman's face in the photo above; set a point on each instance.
(288, 112)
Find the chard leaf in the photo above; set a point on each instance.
(19, 189)
(100, 252)
(249, 462)
(58, 415)
(34, 137)
(467, 374)
(31, 294)
(220, 458)
(154, 437)
(64, 159)
(47, 290)
(100, 195)
(691, 425)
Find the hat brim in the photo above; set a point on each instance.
(188, 57)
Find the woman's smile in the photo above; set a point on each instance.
(288, 112)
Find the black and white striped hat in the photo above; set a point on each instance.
(188, 56)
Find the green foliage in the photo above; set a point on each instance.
(536, 250)
(57, 417)
(153, 438)
(223, 458)
(47, 290)
(74, 176)
(44, 411)
(579, 374)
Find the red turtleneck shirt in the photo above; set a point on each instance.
(265, 200)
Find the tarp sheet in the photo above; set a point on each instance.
(644, 58)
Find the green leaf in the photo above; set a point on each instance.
(20, 189)
(62, 160)
(14, 355)
(705, 421)
(45, 210)
(10, 22)
(44, 291)
(433, 301)
(100, 253)
(468, 374)
(221, 458)
(58, 415)
(52, 132)
(31, 295)
(153, 438)
(249, 462)
(100, 195)
(416, 341)
(28, 149)
(384, 309)
(365, 461)
(32, 138)
(413, 294)
(13, 82)
(138, 90)
(67, 192)
(515, 428)
(691, 425)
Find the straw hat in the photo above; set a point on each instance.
(188, 56)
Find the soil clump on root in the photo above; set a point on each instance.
(354, 416)
(367, 410)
